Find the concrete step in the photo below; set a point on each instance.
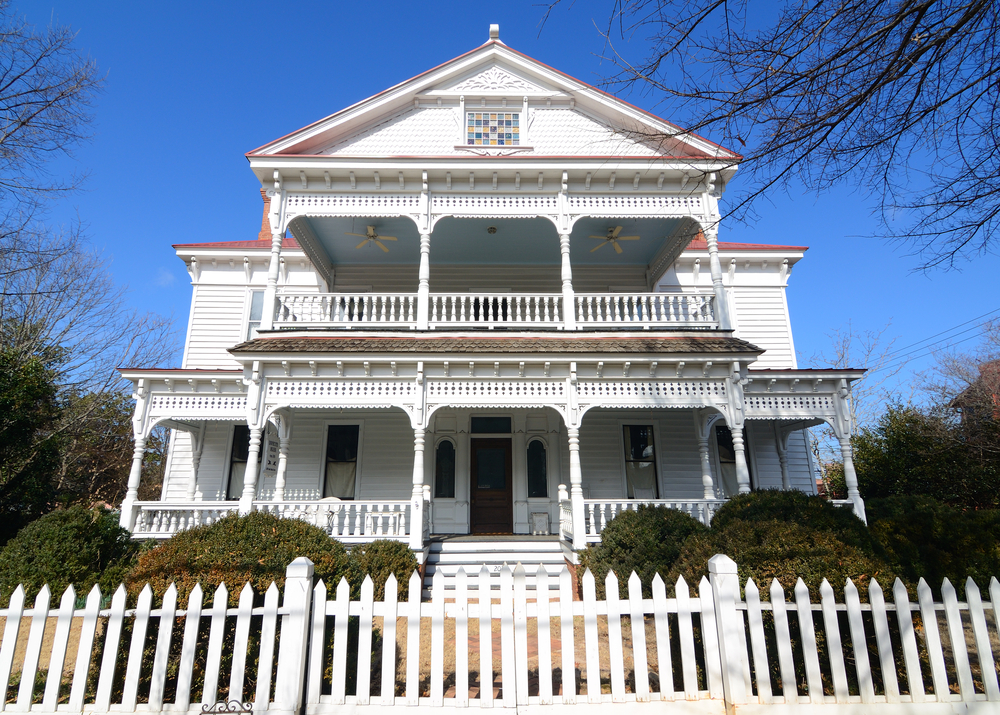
(445, 555)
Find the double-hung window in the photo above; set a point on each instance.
(255, 314)
(640, 462)
(341, 473)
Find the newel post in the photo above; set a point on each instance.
(291, 676)
(722, 574)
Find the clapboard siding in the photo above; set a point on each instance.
(216, 325)
(768, 468)
(465, 279)
(213, 469)
(762, 319)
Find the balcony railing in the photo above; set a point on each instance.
(599, 512)
(591, 311)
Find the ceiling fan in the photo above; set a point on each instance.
(613, 238)
(372, 237)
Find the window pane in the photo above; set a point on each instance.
(342, 443)
(241, 443)
(444, 482)
(339, 480)
(237, 470)
(491, 425)
(537, 482)
(638, 442)
(491, 468)
(256, 305)
(641, 480)
(640, 462)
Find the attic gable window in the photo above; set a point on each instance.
(493, 128)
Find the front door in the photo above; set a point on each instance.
(491, 503)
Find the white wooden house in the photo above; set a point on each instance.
(489, 300)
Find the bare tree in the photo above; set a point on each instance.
(897, 98)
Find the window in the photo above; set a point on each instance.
(239, 455)
(537, 480)
(444, 471)
(727, 460)
(640, 462)
(491, 425)
(493, 128)
(341, 461)
(256, 311)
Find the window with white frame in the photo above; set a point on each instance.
(537, 471)
(341, 471)
(640, 462)
(255, 313)
(444, 470)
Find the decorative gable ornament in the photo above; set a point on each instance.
(496, 79)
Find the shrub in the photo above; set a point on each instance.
(795, 507)
(923, 537)
(75, 546)
(647, 541)
(784, 550)
(255, 548)
(379, 559)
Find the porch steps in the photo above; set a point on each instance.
(447, 553)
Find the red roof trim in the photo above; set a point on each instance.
(289, 242)
(180, 369)
(658, 157)
(734, 155)
(699, 244)
(498, 339)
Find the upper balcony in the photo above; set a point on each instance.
(497, 311)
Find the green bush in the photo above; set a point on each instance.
(255, 548)
(647, 541)
(76, 546)
(795, 507)
(770, 549)
(924, 538)
(379, 559)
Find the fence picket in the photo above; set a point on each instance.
(834, 648)
(413, 640)
(783, 640)
(758, 643)
(887, 662)
(807, 636)
(244, 608)
(911, 657)
(461, 638)
(134, 666)
(11, 628)
(859, 641)
(710, 639)
(544, 636)
(163, 637)
(661, 621)
(192, 620)
(317, 641)
(365, 640)
(685, 631)
(268, 629)
(389, 641)
(956, 633)
(437, 639)
(112, 638)
(520, 635)
(508, 674)
(485, 640)
(637, 616)
(341, 611)
(39, 617)
(217, 627)
(984, 650)
(613, 604)
(59, 643)
(932, 639)
(590, 637)
(566, 643)
(84, 650)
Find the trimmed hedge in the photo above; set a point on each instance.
(255, 548)
(75, 546)
(647, 541)
(379, 559)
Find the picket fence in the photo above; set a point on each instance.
(708, 652)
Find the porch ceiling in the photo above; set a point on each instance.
(463, 241)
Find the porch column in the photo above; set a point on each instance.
(250, 476)
(424, 286)
(417, 515)
(279, 477)
(569, 297)
(742, 473)
(781, 442)
(706, 467)
(271, 292)
(576, 490)
(197, 446)
(851, 478)
(711, 234)
(127, 520)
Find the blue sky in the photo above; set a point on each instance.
(192, 86)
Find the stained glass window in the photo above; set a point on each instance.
(493, 128)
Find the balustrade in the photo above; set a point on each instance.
(600, 511)
(346, 309)
(489, 310)
(164, 519)
(645, 309)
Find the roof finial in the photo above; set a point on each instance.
(494, 32)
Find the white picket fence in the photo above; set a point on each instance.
(709, 650)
